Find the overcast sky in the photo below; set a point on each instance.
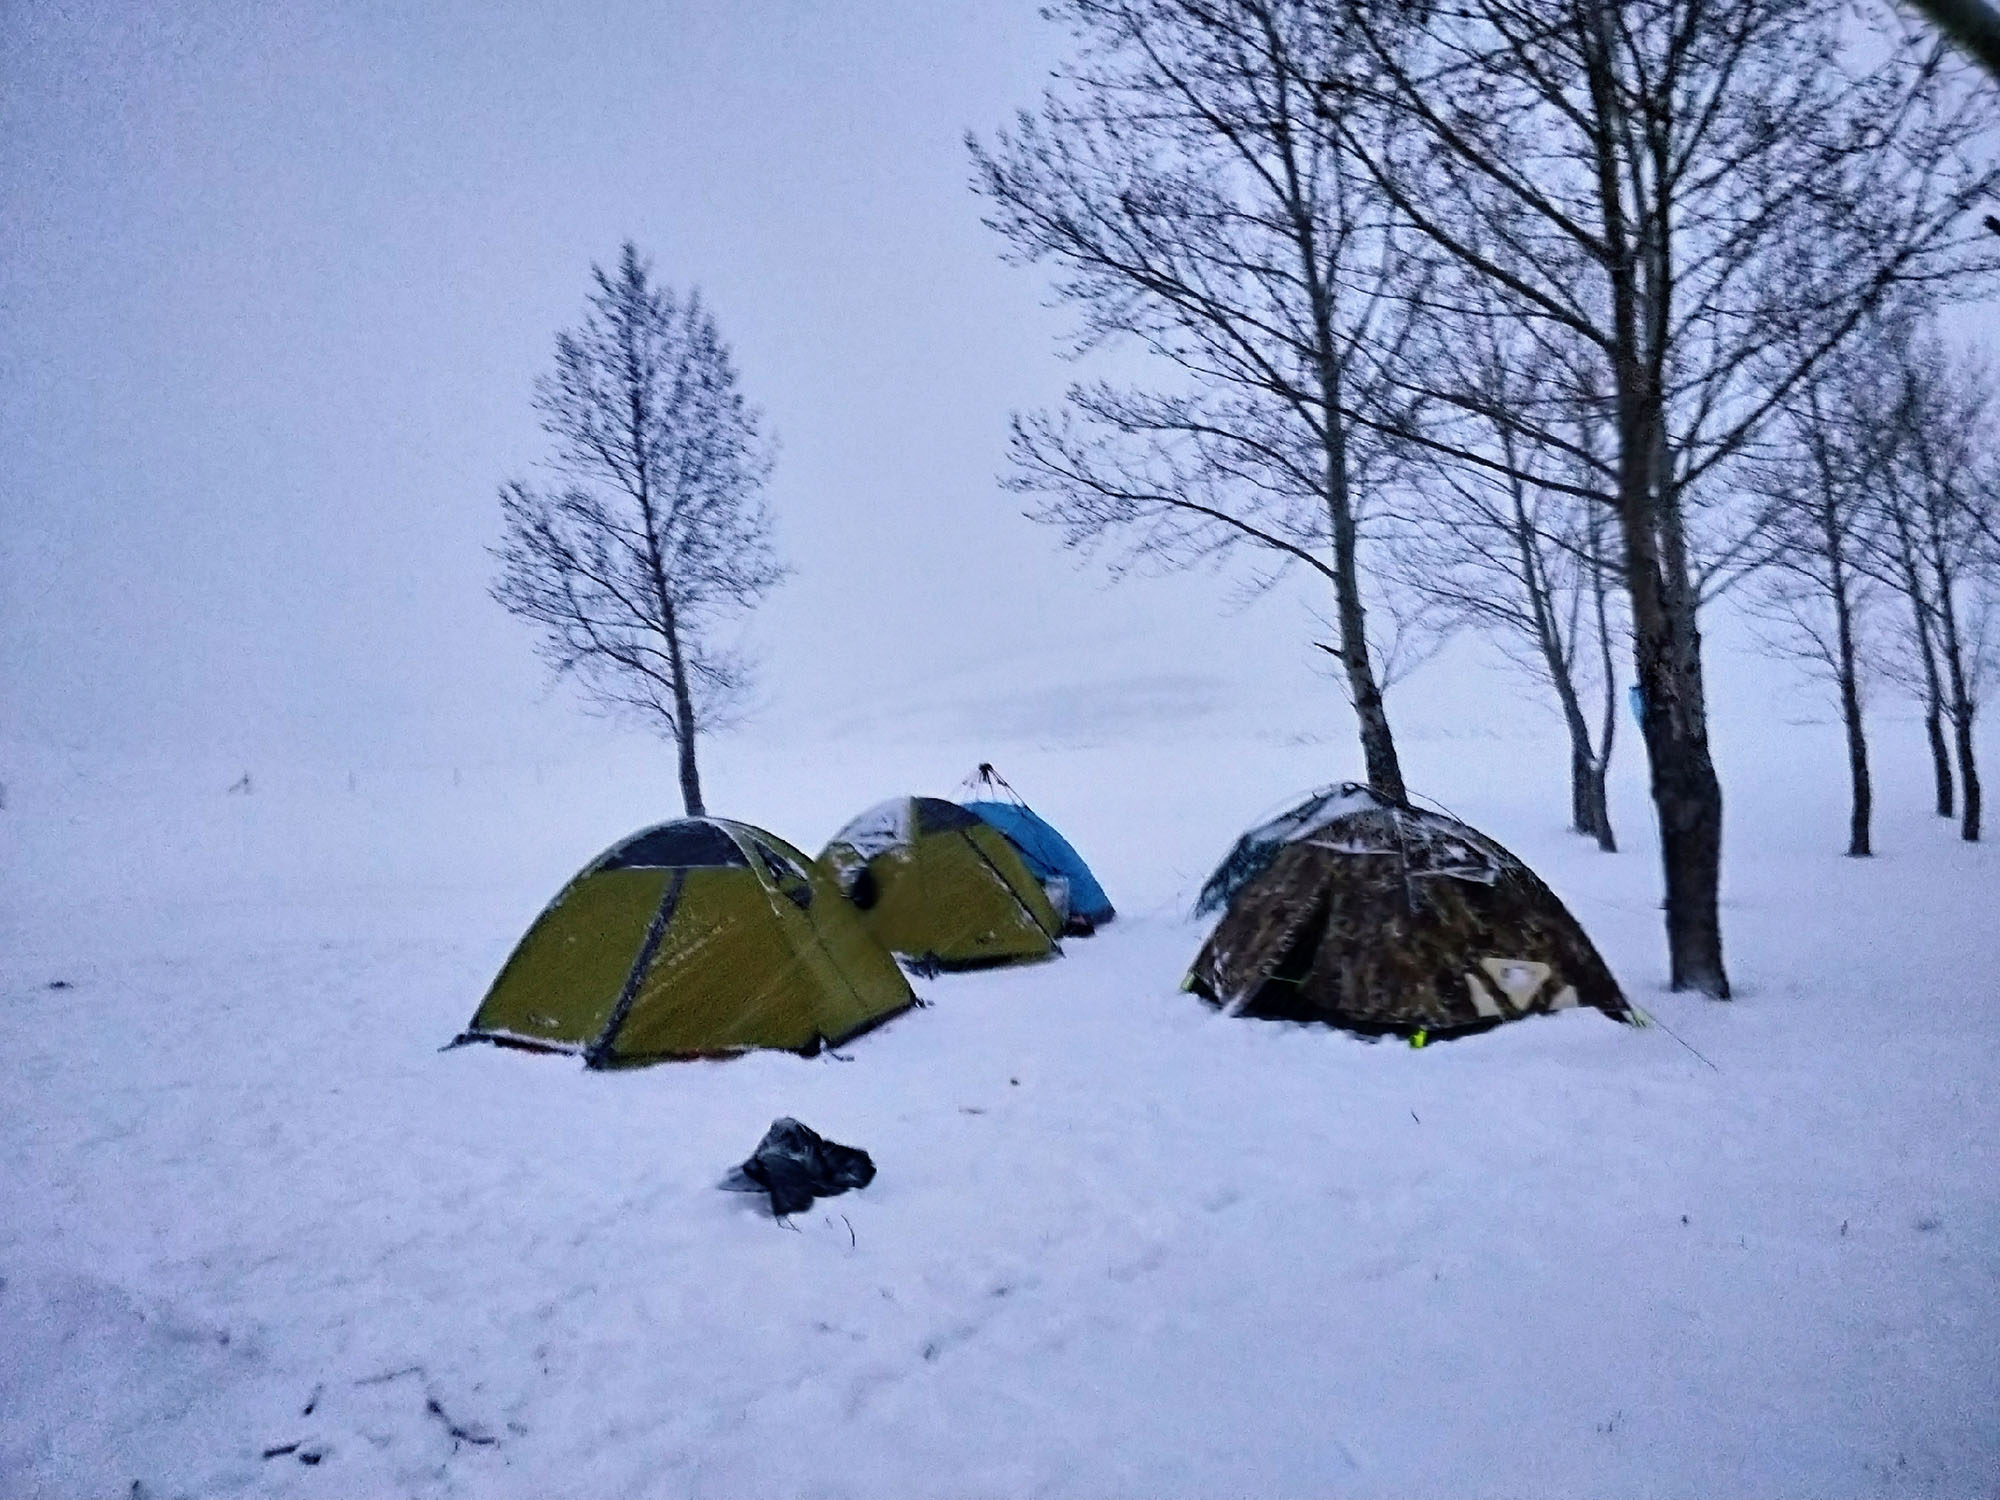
(278, 278)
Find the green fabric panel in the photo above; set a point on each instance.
(1006, 859)
(726, 977)
(858, 982)
(564, 977)
(869, 985)
(939, 899)
(740, 964)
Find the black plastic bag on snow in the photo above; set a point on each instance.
(795, 1164)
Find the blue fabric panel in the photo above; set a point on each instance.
(1046, 853)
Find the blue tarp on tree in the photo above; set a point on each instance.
(1048, 855)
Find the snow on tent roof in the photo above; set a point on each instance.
(893, 824)
(1432, 843)
(1318, 810)
(883, 827)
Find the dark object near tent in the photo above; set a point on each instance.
(1376, 916)
(795, 1164)
(700, 937)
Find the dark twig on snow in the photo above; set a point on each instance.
(459, 1434)
(388, 1375)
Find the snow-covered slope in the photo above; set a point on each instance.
(1119, 1245)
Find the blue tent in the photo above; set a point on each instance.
(1047, 855)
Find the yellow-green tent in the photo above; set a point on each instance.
(939, 886)
(693, 938)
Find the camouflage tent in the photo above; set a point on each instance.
(1381, 917)
(699, 937)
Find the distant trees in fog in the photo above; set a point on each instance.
(1881, 498)
(653, 531)
(1937, 545)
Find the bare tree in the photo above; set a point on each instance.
(1691, 190)
(656, 531)
(1819, 475)
(1941, 503)
(1510, 551)
(1183, 178)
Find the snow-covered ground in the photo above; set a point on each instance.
(1118, 1246)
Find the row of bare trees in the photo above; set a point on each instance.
(1509, 307)
(1880, 488)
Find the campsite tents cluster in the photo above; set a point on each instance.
(705, 937)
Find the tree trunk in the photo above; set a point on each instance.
(1861, 793)
(1913, 590)
(684, 724)
(1378, 745)
(1685, 785)
(1862, 803)
(1585, 777)
(1608, 729)
(1686, 793)
(1666, 644)
(1665, 639)
(1600, 808)
(1961, 708)
(1940, 754)
(1364, 691)
(1968, 775)
(1582, 811)
(1689, 800)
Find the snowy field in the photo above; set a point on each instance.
(1119, 1245)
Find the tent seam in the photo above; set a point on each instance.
(1008, 885)
(595, 1054)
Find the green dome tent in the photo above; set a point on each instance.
(699, 937)
(1376, 916)
(941, 887)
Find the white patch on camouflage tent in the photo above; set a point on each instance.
(1482, 999)
(1518, 978)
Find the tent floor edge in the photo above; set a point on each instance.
(509, 1041)
(828, 1043)
(929, 965)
